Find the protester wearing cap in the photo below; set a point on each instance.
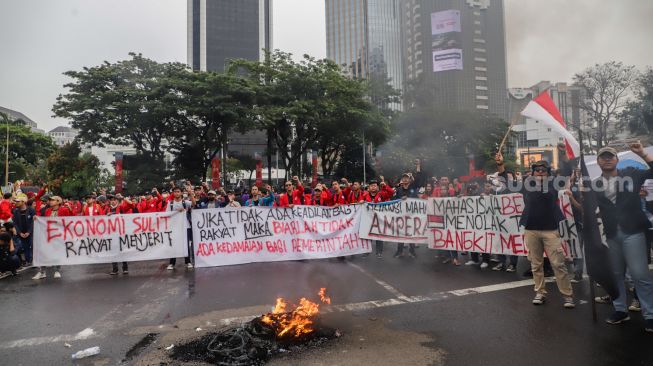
(55, 210)
(231, 199)
(210, 202)
(407, 188)
(541, 218)
(23, 219)
(625, 225)
(151, 203)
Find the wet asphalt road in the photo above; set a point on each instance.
(404, 311)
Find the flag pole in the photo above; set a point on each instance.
(505, 137)
(581, 185)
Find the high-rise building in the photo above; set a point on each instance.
(455, 51)
(364, 36)
(222, 30)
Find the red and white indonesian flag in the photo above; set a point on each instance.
(544, 110)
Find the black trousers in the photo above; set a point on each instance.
(191, 251)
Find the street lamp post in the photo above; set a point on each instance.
(6, 120)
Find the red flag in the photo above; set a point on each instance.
(215, 172)
(543, 109)
(259, 169)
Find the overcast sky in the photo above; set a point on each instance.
(40, 39)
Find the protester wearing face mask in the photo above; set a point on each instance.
(541, 218)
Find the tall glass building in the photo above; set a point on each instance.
(364, 36)
(220, 30)
(456, 50)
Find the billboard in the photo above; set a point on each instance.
(451, 59)
(446, 41)
(445, 22)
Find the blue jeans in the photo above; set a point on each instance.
(28, 246)
(629, 251)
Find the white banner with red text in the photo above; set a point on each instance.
(490, 224)
(107, 239)
(226, 236)
(403, 221)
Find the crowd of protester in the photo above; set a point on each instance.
(18, 210)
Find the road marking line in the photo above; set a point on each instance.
(381, 283)
(87, 333)
(358, 306)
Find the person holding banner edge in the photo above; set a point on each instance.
(179, 204)
(540, 219)
(55, 210)
(408, 188)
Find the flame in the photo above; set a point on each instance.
(294, 321)
(325, 299)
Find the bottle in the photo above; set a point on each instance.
(86, 353)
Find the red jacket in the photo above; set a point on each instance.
(123, 208)
(95, 210)
(358, 197)
(63, 211)
(385, 194)
(437, 192)
(338, 199)
(153, 205)
(5, 210)
(296, 197)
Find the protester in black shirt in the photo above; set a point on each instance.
(407, 188)
(541, 218)
(9, 262)
(625, 225)
(23, 219)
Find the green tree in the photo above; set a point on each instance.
(214, 104)
(309, 105)
(26, 149)
(127, 103)
(73, 174)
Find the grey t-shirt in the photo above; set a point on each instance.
(175, 205)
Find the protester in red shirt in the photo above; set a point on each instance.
(444, 189)
(56, 209)
(40, 201)
(338, 196)
(151, 203)
(320, 196)
(6, 207)
(292, 196)
(357, 195)
(92, 208)
(384, 194)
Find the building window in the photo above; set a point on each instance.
(482, 78)
(482, 50)
(481, 87)
(477, 22)
(479, 40)
(481, 106)
(480, 59)
(480, 68)
(481, 97)
(477, 32)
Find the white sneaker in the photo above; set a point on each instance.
(57, 274)
(484, 265)
(189, 266)
(39, 276)
(470, 263)
(170, 267)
